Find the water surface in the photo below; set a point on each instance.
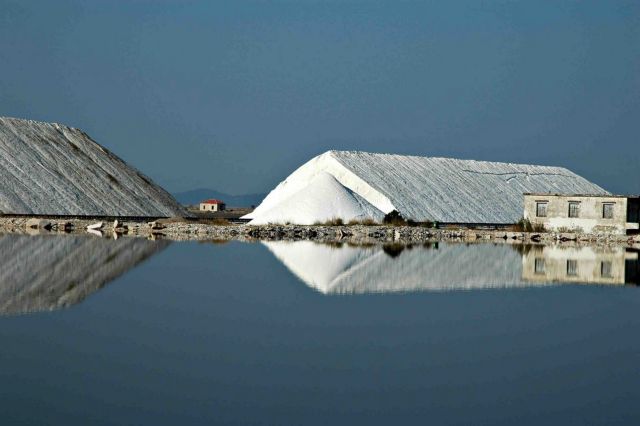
(300, 333)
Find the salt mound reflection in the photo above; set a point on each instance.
(44, 273)
(345, 269)
(377, 269)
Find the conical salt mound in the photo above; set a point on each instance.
(322, 200)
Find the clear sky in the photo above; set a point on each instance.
(234, 95)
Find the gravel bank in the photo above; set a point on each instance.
(182, 230)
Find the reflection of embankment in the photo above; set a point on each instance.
(43, 273)
(585, 265)
(352, 269)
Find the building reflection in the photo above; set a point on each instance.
(582, 265)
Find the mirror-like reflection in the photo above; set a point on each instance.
(344, 269)
(582, 265)
(43, 273)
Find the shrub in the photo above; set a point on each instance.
(394, 218)
(336, 221)
(539, 228)
(525, 225)
(220, 221)
(567, 230)
(363, 222)
(428, 224)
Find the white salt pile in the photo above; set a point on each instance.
(321, 200)
(48, 168)
(420, 188)
(353, 270)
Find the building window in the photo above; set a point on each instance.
(574, 209)
(606, 269)
(607, 211)
(541, 209)
(539, 265)
(572, 267)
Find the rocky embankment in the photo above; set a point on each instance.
(187, 230)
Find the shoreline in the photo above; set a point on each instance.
(189, 230)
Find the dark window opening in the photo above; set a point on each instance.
(541, 209)
(574, 209)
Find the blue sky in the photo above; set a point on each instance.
(234, 95)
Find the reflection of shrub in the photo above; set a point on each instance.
(333, 244)
(393, 250)
(360, 245)
(214, 241)
(522, 248)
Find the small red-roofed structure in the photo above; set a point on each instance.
(212, 205)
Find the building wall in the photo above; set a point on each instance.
(587, 264)
(209, 207)
(589, 220)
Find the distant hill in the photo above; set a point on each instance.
(194, 196)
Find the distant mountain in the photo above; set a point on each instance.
(194, 196)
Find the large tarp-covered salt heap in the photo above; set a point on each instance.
(46, 272)
(360, 185)
(375, 269)
(48, 168)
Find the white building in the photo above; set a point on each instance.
(615, 214)
(212, 206)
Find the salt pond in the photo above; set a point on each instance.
(131, 331)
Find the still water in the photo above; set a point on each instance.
(105, 332)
